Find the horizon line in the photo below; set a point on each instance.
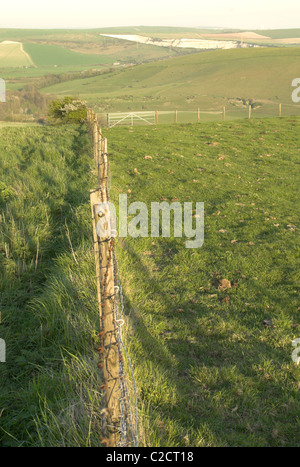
(144, 26)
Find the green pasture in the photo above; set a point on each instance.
(208, 80)
(51, 55)
(12, 55)
(213, 362)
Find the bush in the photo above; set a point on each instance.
(68, 110)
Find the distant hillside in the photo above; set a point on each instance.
(209, 79)
(280, 33)
(72, 50)
(51, 55)
(12, 54)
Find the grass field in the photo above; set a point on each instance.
(167, 117)
(64, 48)
(213, 364)
(208, 80)
(70, 50)
(49, 389)
(169, 78)
(13, 55)
(280, 33)
(45, 55)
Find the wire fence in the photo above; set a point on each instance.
(120, 418)
(120, 424)
(225, 113)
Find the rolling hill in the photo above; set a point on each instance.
(53, 55)
(208, 80)
(12, 54)
(70, 50)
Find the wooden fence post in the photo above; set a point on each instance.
(95, 138)
(280, 110)
(198, 115)
(224, 113)
(176, 116)
(109, 348)
(250, 111)
(156, 117)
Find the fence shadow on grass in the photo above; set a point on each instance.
(224, 391)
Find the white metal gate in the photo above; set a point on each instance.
(132, 118)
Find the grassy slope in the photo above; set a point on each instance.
(77, 49)
(208, 372)
(74, 49)
(280, 33)
(203, 79)
(50, 55)
(49, 392)
(11, 55)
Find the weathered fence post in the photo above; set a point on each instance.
(156, 117)
(280, 110)
(95, 138)
(109, 346)
(198, 115)
(250, 111)
(176, 116)
(111, 360)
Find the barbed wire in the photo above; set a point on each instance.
(121, 427)
(119, 313)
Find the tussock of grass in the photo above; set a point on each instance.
(50, 387)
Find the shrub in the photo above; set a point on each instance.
(68, 110)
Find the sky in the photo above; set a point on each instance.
(239, 14)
